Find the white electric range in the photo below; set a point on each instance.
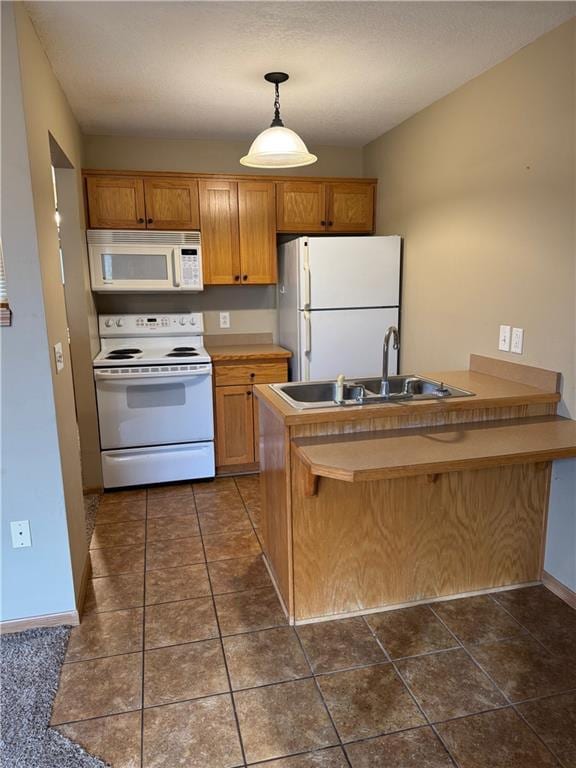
(154, 392)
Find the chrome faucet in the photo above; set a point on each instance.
(391, 333)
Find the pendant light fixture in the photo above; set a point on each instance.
(277, 146)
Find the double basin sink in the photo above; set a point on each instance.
(324, 394)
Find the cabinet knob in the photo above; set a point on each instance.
(244, 277)
(252, 375)
(236, 278)
(323, 223)
(140, 221)
(248, 393)
(330, 223)
(150, 221)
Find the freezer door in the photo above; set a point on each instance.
(345, 341)
(351, 272)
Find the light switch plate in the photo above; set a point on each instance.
(504, 340)
(224, 319)
(59, 357)
(517, 340)
(20, 532)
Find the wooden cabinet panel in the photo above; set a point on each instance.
(256, 417)
(219, 225)
(171, 203)
(300, 206)
(115, 202)
(257, 226)
(350, 207)
(234, 425)
(257, 373)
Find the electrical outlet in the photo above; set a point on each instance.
(224, 319)
(517, 340)
(59, 357)
(504, 340)
(20, 532)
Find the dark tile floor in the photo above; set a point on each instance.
(184, 658)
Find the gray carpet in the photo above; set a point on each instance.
(31, 663)
(30, 668)
(91, 502)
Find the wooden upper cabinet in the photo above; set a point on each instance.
(257, 227)
(350, 207)
(300, 206)
(115, 202)
(171, 203)
(219, 225)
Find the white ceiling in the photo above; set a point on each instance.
(194, 69)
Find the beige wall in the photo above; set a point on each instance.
(131, 153)
(47, 112)
(481, 186)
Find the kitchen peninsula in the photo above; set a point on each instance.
(374, 506)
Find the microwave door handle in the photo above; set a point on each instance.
(175, 270)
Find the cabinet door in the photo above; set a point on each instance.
(234, 425)
(257, 225)
(350, 207)
(219, 225)
(115, 202)
(300, 206)
(171, 203)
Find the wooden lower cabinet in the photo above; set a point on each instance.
(236, 412)
(234, 425)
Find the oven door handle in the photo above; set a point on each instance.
(107, 376)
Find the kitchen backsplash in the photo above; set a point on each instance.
(252, 308)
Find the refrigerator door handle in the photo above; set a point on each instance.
(308, 281)
(308, 350)
(308, 321)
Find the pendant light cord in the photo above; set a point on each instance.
(277, 122)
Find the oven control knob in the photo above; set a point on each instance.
(109, 322)
(119, 322)
(182, 321)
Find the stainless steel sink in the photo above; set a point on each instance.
(415, 387)
(322, 394)
(318, 392)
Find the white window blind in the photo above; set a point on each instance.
(5, 313)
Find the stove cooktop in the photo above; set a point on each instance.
(119, 353)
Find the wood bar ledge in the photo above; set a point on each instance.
(386, 455)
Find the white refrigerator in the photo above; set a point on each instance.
(336, 298)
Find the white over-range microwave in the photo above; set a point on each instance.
(128, 260)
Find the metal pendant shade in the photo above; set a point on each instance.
(277, 146)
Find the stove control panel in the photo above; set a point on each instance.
(151, 325)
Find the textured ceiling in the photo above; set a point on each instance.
(194, 69)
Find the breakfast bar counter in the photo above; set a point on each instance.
(377, 506)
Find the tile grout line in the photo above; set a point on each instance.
(414, 699)
(143, 636)
(510, 703)
(322, 699)
(528, 631)
(228, 677)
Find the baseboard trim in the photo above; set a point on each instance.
(33, 622)
(86, 576)
(276, 588)
(411, 603)
(563, 592)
